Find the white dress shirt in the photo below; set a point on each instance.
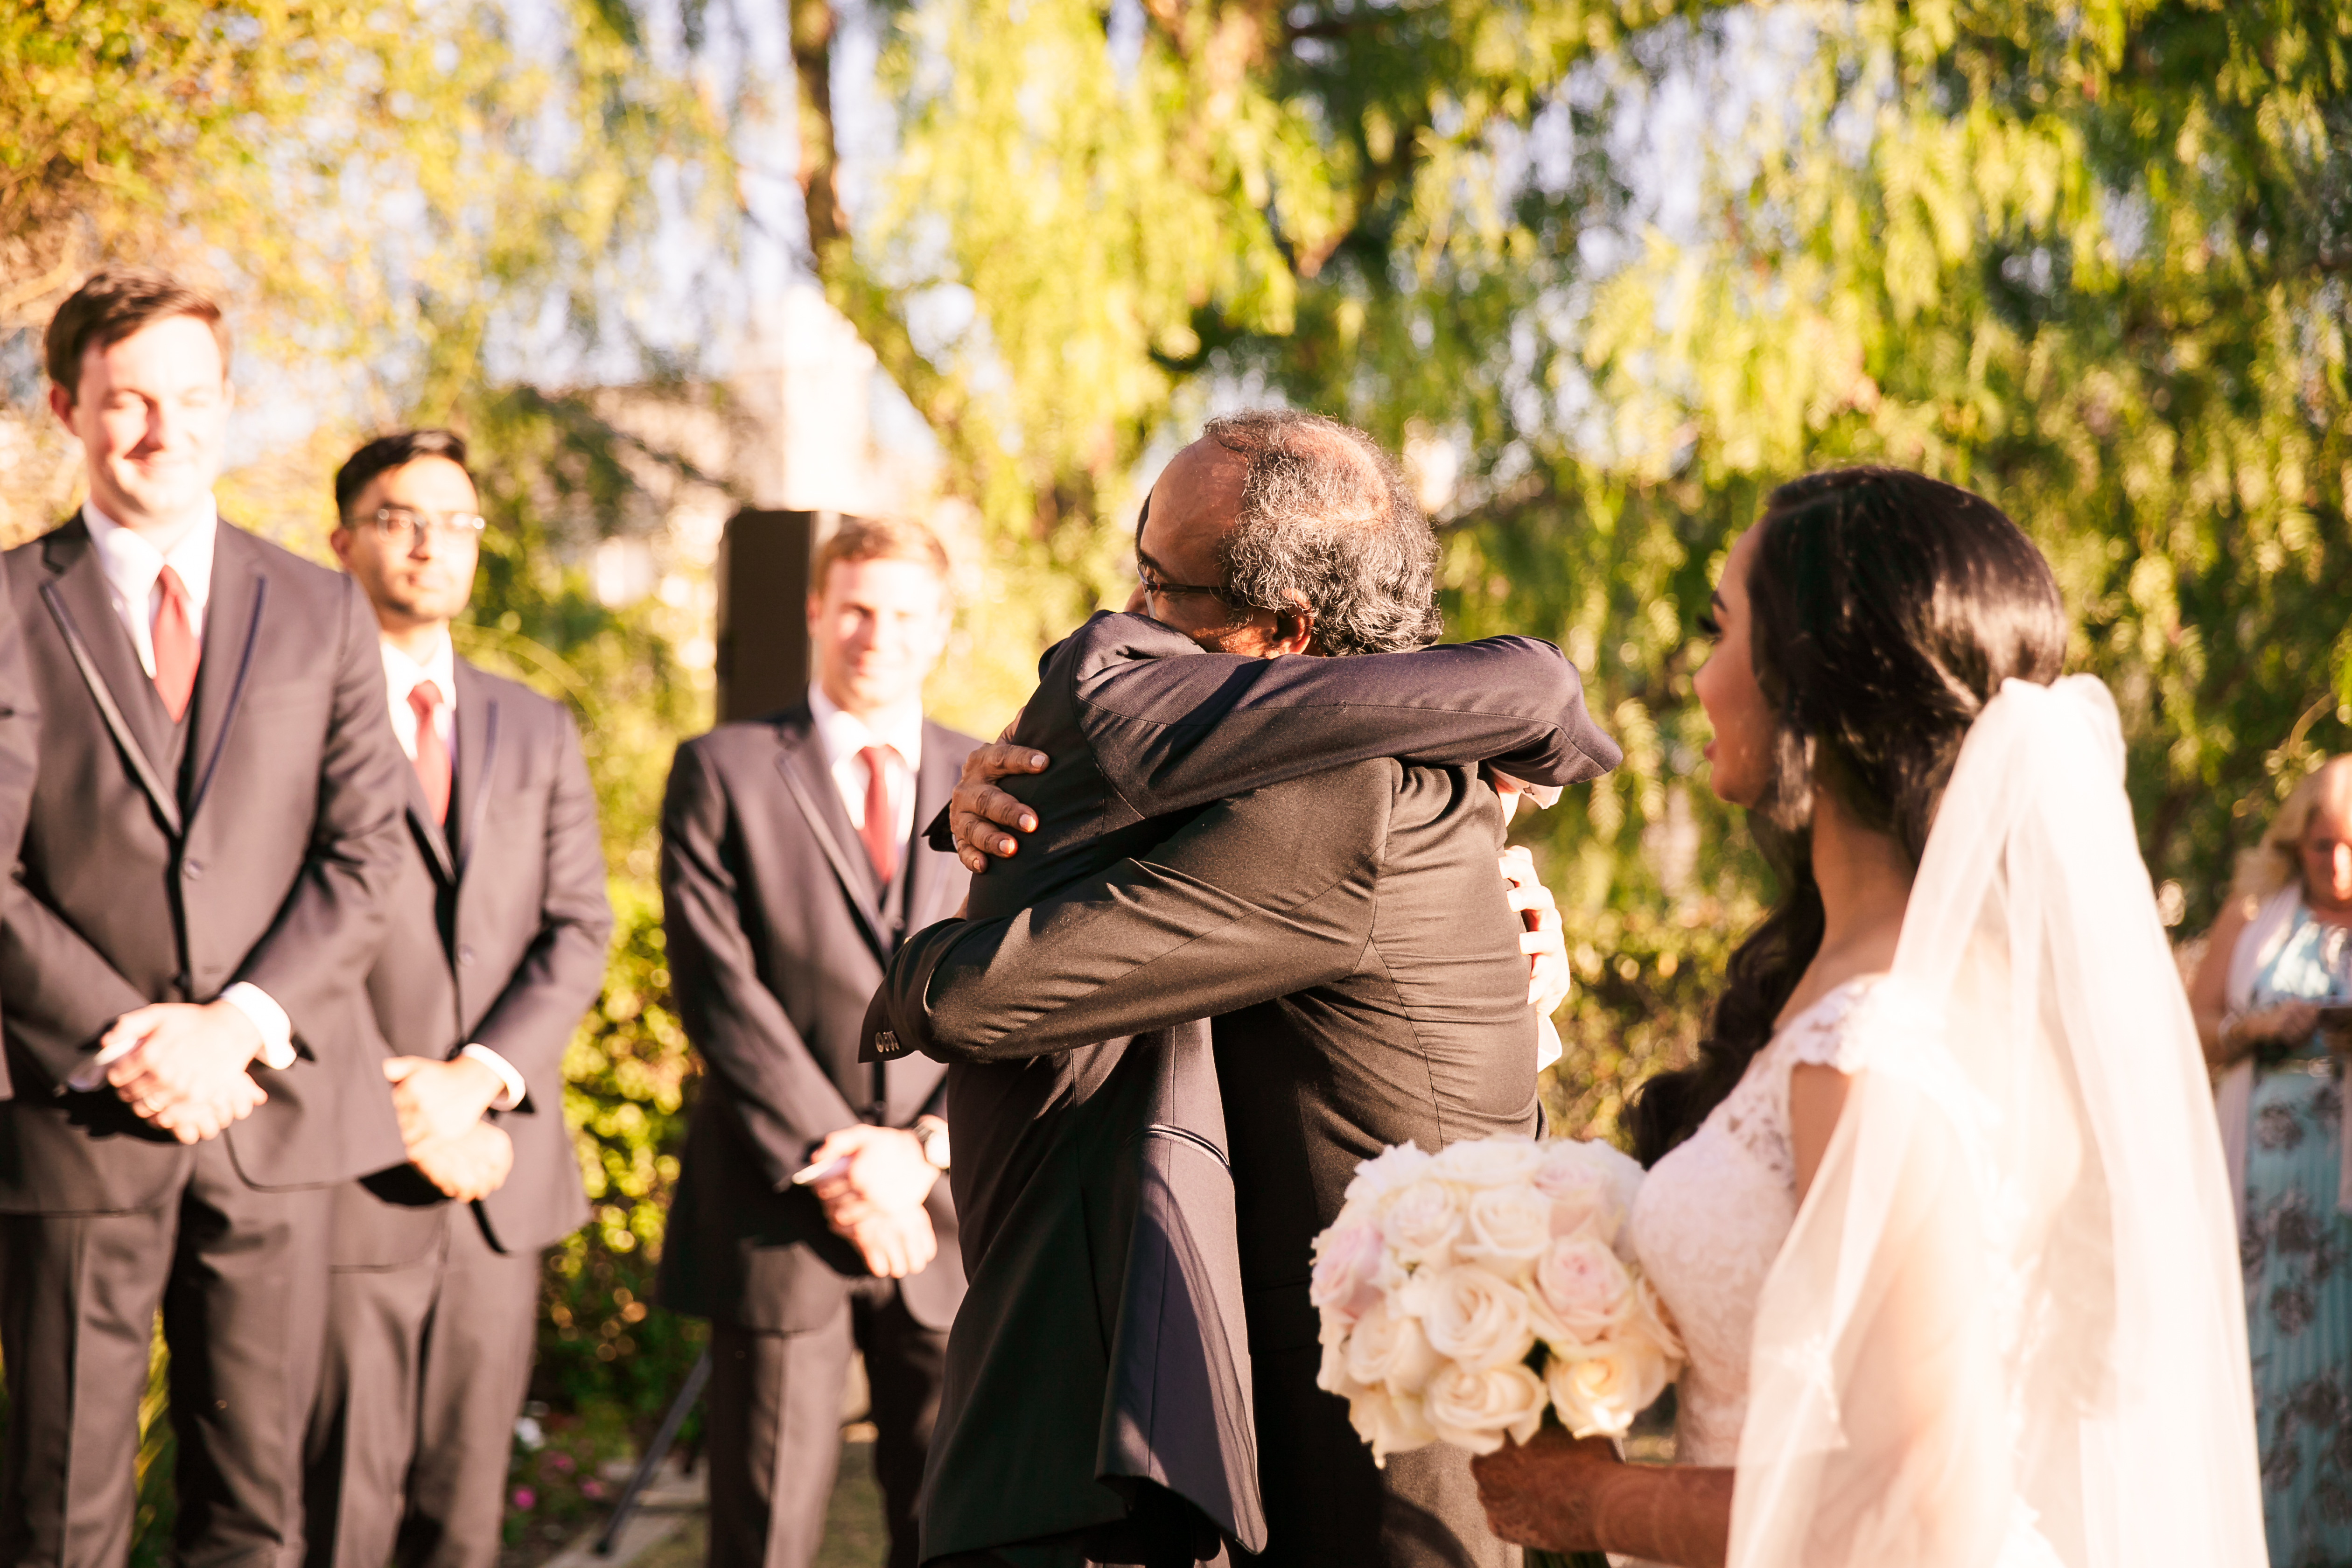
(844, 735)
(401, 676)
(133, 567)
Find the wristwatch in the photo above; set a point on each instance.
(933, 1136)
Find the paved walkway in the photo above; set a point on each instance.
(671, 1524)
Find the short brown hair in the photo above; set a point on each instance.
(114, 303)
(878, 538)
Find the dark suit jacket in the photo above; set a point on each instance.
(265, 857)
(497, 935)
(20, 721)
(1093, 1179)
(777, 936)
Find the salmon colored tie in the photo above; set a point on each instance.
(881, 844)
(432, 755)
(175, 646)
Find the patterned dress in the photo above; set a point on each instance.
(2298, 1251)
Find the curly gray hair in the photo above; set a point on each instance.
(1326, 515)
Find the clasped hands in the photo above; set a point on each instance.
(978, 814)
(872, 1181)
(183, 1066)
(440, 1106)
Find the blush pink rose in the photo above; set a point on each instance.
(1348, 1268)
(1583, 1288)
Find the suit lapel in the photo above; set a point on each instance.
(78, 601)
(800, 760)
(478, 757)
(927, 885)
(428, 832)
(232, 627)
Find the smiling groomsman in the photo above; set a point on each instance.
(200, 887)
(791, 871)
(495, 947)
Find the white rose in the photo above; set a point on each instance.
(1497, 1161)
(1390, 1423)
(1475, 1318)
(1349, 1264)
(1422, 1221)
(1601, 1394)
(1389, 1351)
(1386, 1172)
(1584, 1291)
(1653, 1320)
(1590, 1185)
(1331, 1374)
(1506, 1228)
(1472, 1409)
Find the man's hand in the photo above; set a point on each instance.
(893, 1244)
(437, 1101)
(1548, 975)
(882, 1172)
(184, 1066)
(978, 813)
(472, 1165)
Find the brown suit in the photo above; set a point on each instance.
(496, 936)
(255, 841)
(777, 936)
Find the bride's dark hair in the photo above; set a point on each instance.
(1886, 608)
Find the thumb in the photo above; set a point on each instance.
(398, 1069)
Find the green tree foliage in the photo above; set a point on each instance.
(2092, 262)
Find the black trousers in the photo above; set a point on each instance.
(426, 1367)
(1326, 1504)
(241, 1278)
(774, 1427)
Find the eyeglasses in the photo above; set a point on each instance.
(1154, 588)
(403, 526)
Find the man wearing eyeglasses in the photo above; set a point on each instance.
(494, 946)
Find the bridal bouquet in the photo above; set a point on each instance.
(1471, 1295)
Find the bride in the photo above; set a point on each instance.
(1940, 1210)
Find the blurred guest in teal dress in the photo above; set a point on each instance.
(2271, 998)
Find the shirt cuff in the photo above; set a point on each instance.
(515, 1093)
(92, 1075)
(276, 1029)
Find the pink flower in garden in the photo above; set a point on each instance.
(523, 1498)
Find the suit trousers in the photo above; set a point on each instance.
(1328, 1504)
(774, 1424)
(240, 1275)
(426, 1368)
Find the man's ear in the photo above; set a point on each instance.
(1294, 627)
(61, 403)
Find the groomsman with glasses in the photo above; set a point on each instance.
(197, 896)
(495, 946)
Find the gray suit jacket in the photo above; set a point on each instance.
(777, 936)
(265, 856)
(497, 935)
(1095, 1173)
(20, 721)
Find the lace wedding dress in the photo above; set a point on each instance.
(2003, 1329)
(1710, 1218)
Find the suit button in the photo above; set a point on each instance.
(464, 954)
(194, 870)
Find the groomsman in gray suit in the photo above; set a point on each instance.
(215, 825)
(791, 872)
(495, 945)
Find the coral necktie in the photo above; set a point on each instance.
(881, 844)
(432, 755)
(175, 646)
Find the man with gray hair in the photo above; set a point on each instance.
(1257, 936)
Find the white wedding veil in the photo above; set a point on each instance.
(2008, 1327)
